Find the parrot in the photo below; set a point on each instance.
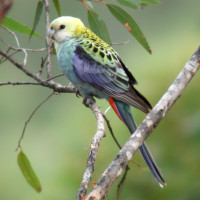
(96, 70)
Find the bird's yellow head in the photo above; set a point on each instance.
(65, 28)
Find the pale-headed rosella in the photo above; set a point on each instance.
(96, 70)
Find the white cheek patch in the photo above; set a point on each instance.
(61, 36)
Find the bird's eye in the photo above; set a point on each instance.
(62, 26)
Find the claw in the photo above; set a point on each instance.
(78, 94)
(87, 100)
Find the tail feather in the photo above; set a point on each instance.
(152, 164)
(124, 113)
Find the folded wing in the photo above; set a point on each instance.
(114, 79)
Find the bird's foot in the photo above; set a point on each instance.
(78, 94)
(87, 100)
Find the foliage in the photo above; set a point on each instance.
(97, 25)
(14, 25)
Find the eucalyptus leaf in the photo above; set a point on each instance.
(128, 4)
(151, 1)
(37, 16)
(14, 25)
(57, 6)
(27, 171)
(130, 24)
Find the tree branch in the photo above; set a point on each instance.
(18, 83)
(150, 122)
(57, 87)
(13, 34)
(93, 151)
(48, 42)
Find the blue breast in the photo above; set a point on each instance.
(67, 57)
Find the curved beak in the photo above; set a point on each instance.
(51, 33)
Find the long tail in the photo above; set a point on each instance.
(124, 113)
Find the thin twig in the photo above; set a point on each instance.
(120, 43)
(20, 66)
(42, 66)
(57, 87)
(21, 49)
(93, 151)
(111, 132)
(14, 35)
(18, 83)
(29, 119)
(3, 59)
(25, 57)
(56, 76)
(10, 55)
(48, 42)
(18, 44)
(150, 122)
(29, 83)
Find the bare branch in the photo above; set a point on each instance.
(3, 59)
(19, 66)
(29, 83)
(17, 41)
(48, 42)
(117, 166)
(42, 65)
(25, 57)
(19, 83)
(120, 43)
(56, 76)
(14, 35)
(50, 84)
(111, 131)
(21, 49)
(93, 151)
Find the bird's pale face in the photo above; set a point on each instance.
(65, 28)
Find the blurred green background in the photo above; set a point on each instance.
(59, 135)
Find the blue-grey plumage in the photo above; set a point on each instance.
(96, 70)
(67, 59)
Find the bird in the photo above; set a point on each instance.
(96, 70)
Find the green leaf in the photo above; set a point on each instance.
(37, 16)
(146, 2)
(57, 6)
(18, 27)
(129, 24)
(135, 4)
(28, 172)
(98, 26)
(151, 1)
(128, 4)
